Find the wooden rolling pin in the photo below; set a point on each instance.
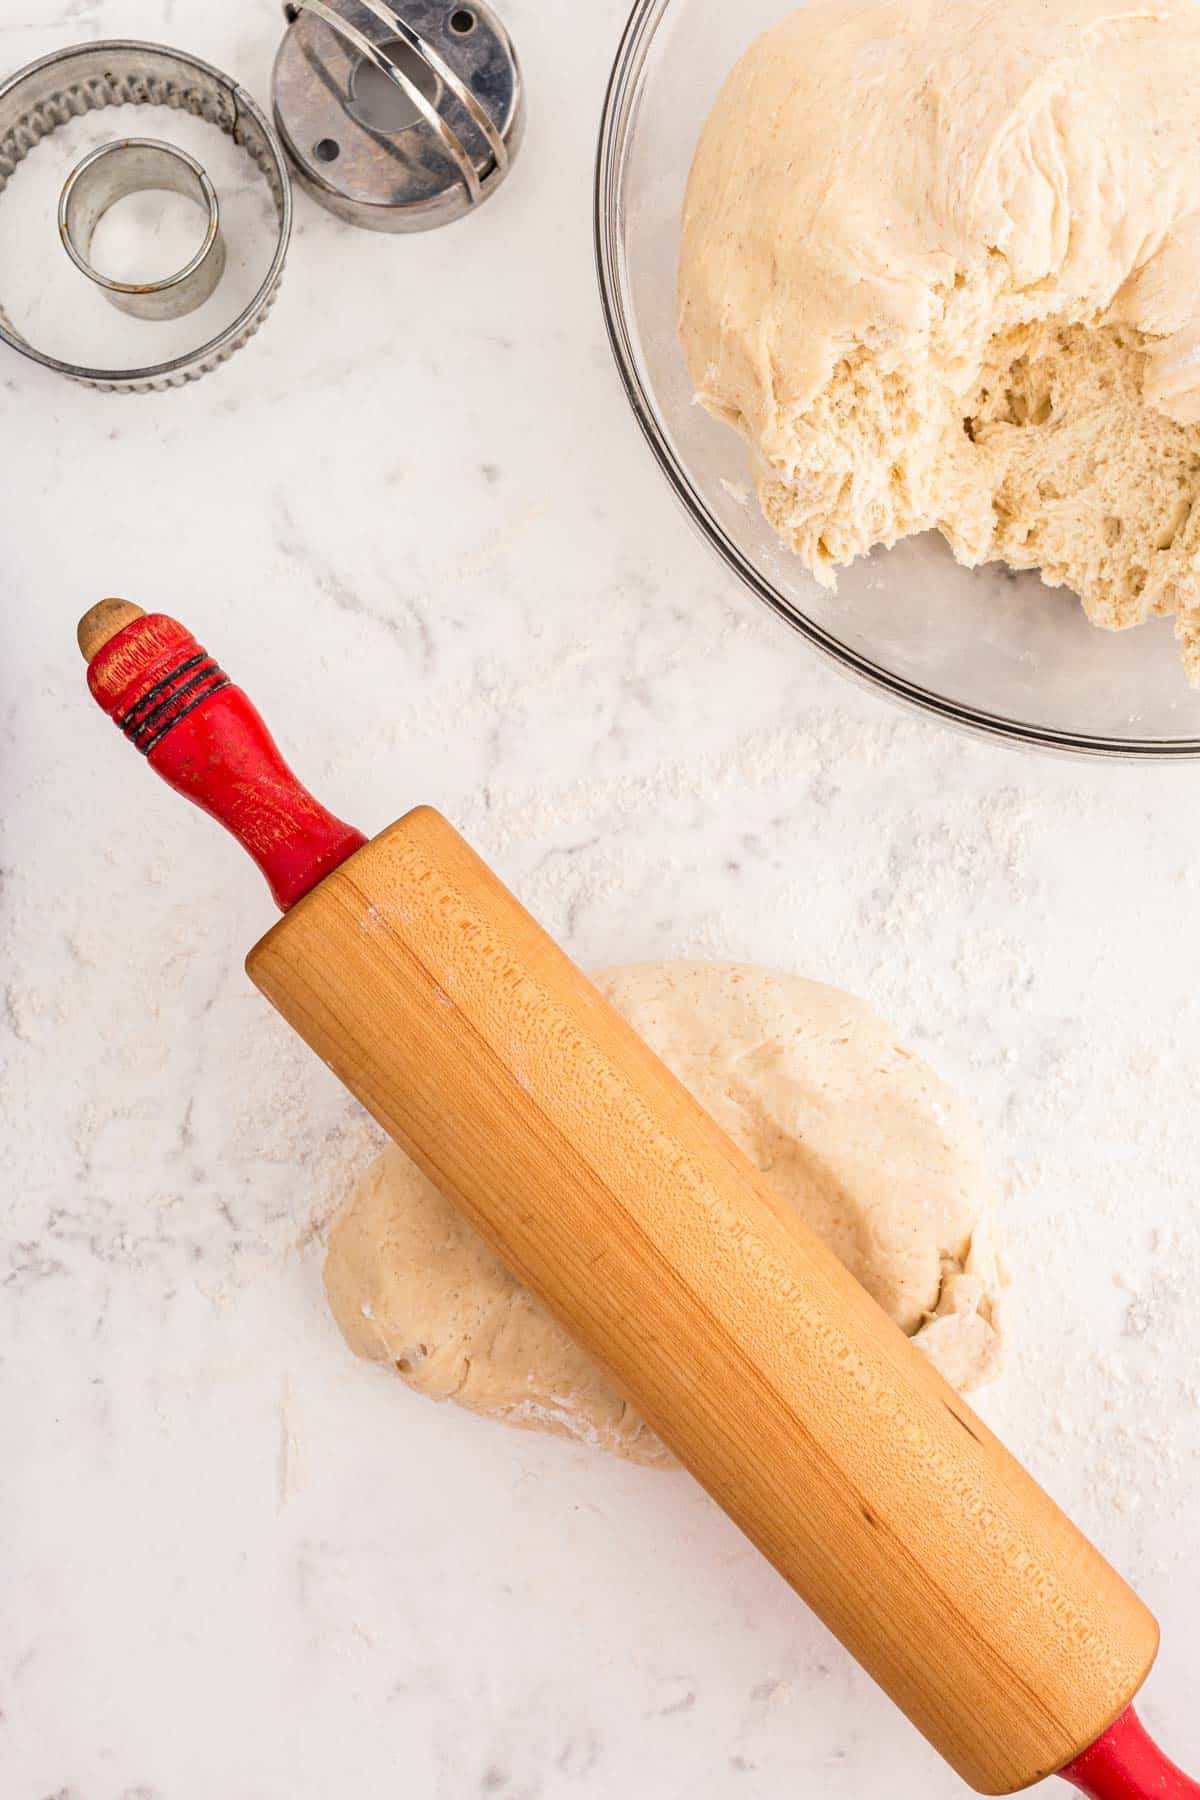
(788, 1393)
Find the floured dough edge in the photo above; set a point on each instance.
(940, 267)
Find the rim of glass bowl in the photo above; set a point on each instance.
(620, 107)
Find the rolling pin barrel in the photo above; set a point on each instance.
(830, 1440)
(768, 1370)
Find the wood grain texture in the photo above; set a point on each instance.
(842, 1454)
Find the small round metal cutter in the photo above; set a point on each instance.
(48, 94)
(137, 166)
(398, 118)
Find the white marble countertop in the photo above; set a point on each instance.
(237, 1562)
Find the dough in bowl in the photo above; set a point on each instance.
(846, 1125)
(941, 268)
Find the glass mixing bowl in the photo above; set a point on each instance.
(986, 649)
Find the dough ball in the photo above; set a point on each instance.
(941, 268)
(847, 1126)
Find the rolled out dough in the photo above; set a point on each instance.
(846, 1125)
(941, 268)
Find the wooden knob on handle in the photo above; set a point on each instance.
(102, 622)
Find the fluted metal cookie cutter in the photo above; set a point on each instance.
(124, 72)
(138, 166)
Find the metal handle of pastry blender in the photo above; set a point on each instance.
(809, 1417)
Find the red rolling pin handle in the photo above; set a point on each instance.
(1126, 1764)
(206, 740)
